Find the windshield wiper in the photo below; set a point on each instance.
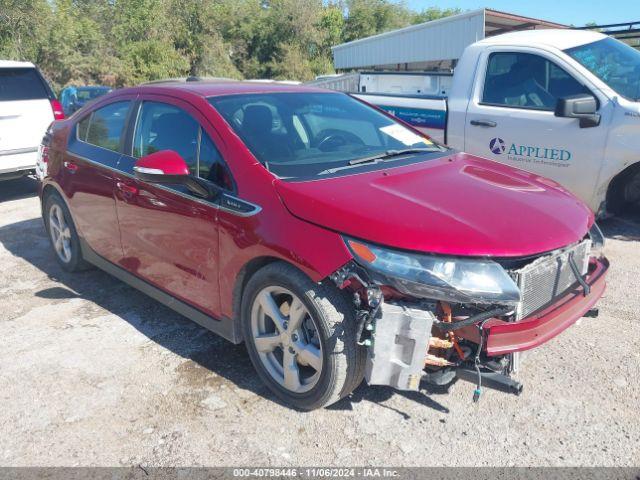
(378, 158)
(390, 154)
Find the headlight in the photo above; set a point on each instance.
(597, 240)
(451, 279)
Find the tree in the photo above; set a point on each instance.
(23, 24)
(369, 17)
(125, 42)
(434, 13)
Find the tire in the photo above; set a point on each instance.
(323, 308)
(624, 191)
(56, 212)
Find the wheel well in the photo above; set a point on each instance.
(48, 190)
(246, 272)
(613, 199)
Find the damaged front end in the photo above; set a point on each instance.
(435, 318)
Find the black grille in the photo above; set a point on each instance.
(549, 277)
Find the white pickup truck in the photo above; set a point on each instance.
(561, 103)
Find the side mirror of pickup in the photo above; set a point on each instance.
(168, 167)
(583, 107)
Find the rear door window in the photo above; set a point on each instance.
(524, 80)
(105, 126)
(21, 84)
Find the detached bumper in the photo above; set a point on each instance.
(540, 327)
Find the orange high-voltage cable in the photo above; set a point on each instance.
(446, 309)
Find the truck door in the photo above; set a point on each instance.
(510, 119)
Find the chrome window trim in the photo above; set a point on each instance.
(255, 209)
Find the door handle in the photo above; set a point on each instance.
(72, 167)
(483, 123)
(128, 190)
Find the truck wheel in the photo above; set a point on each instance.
(301, 337)
(624, 191)
(632, 189)
(63, 235)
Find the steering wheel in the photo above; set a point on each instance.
(332, 139)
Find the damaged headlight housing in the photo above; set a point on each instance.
(450, 279)
(597, 241)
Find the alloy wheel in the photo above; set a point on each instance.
(286, 339)
(60, 233)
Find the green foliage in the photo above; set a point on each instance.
(434, 13)
(125, 42)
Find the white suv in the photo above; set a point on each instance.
(27, 107)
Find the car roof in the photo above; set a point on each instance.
(213, 88)
(560, 38)
(13, 64)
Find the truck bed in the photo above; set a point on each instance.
(427, 113)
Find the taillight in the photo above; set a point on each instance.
(58, 112)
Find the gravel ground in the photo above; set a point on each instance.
(95, 373)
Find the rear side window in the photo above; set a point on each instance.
(105, 126)
(21, 84)
(527, 81)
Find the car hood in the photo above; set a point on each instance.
(454, 205)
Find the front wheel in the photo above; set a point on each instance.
(301, 337)
(624, 191)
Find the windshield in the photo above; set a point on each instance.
(615, 63)
(302, 135)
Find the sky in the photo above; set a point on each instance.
(574, 12)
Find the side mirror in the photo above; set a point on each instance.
(583, 107)
(165, 166)
(168, 167)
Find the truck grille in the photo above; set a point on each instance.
(548, 277)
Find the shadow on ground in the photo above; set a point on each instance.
(27, 240)
(17, 189)
(625, 226)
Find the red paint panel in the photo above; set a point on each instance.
(457, 205)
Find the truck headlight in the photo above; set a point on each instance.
(451, 279)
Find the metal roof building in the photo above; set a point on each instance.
(423, 46)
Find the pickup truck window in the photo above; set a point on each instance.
(615, 63)
(524, 80)
(104, 127)
(302, 135)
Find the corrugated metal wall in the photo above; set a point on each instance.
(443, 39)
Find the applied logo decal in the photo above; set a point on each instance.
(496, 145)
(530, 153)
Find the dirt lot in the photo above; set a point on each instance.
(95, 373)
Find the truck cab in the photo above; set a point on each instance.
(504, 99)
(561, 103)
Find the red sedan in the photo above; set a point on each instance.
(334, 240)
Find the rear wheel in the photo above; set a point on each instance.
(301, 337)
(62, 234)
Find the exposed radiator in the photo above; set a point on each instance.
(549, 276)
